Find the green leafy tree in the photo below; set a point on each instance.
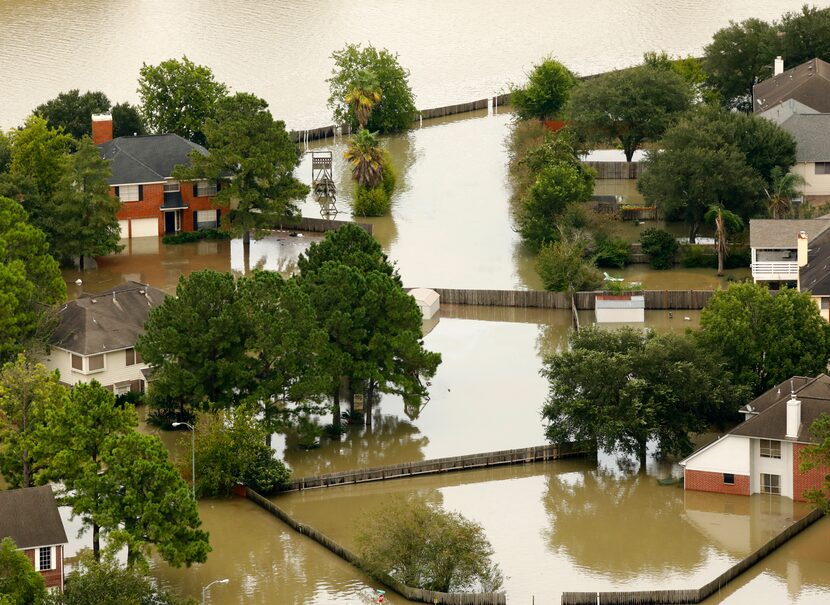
(725, 222)
(548, 87)
(28, 395)
(623, 388)
(425, 546)
(806, 35)
(396, 109)
(253, 156)
(818, 456)
(737, 57)
(179, 97)
(30, 282)
(20, 584)
(632, 106)
(350, 245)
(563, 267)
(765, 339)
(5, 152)
(783, 188)
(126, 120)
(690, 69)
(231, 449)
(366, 159)
(84, 221)
(73, 440)
(363, 95)
(147, 503)
(73, 111)
(661, 247)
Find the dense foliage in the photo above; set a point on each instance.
(20, 584)
(563, 267)
(661, 246)
(546, 92)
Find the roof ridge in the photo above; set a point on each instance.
(128, 154)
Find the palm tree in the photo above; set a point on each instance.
(725, 222)
(366, 159)
(363, 95)
(785, 186)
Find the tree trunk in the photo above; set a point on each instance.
(24, 424)
(367, 410)
(246, 252)
(642, 450)
(96, 541)
(335, 408)
(720, 261)
(693, 232)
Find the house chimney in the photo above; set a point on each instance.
(793, 417)
(779, 66)
(802, 249)
(101, 128)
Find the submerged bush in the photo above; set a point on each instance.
(186, 237)
(661, 246)
(371, 202)
(612, 252)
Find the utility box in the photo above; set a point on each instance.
(428, 301)
(621, 308)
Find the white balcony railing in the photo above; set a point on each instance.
(775, 270)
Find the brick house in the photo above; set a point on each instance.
(96, 335)
(30, 517)
(763, 453)
(153, 203)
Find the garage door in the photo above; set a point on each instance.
(145, 227)
(125, 229)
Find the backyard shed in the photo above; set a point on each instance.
(428, 301)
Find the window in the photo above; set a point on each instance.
(129, 193)
(133, 357)
(822, 167)
(206, 219)
(770, 449)
(96, 362)
(171, 186)
(770, 484)
(729, 478)
(204, 189)
(77, 362)
(44, 558)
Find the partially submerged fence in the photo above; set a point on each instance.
(616, 170)
(693, 595)
(413, 594)
(554, 451)
(321, 225)
(654, 299)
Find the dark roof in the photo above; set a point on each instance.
(815, 275)
(783, 233)
(113, 320)
(147, 159)
(763, 401)
(808, 83)
(771, 422)
(30, 517)
(812, 136)
(785, 110)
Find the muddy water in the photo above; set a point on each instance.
(279, 49)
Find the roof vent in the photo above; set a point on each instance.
(93, 300)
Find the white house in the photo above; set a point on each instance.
(96, 336)
(779, 247)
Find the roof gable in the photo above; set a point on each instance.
(148, 158)
(808, 83)
(783, 233)
(30, 517)
(812, 135)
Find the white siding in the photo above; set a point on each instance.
(145, 227)
(730, 454)
(620, 315)
(116, 370)
(124, 226)
(773, 466)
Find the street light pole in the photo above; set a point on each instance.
(192, 453)
(205, 589)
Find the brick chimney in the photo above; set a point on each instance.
(101, 128)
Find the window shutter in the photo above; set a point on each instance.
(116, 192)
(218, 186)
(140, 192)
(195, 188)
(218, 219)
(53, 559)
(195, 221)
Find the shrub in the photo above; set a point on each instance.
(130, 397)
(563, 268)
(390, 175)
(661, 246)
(370, 202)
(186, 237)
(612, 252)
(695, 255)
(547, 90)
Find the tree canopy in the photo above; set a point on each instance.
(395, 111)
(178, 97)
(563, 267)
(806, 35)
(632, 106)
(20, 584)
(546, 92)
(73, 111)
(765, 339)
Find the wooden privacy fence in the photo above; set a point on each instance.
(654, 299)
(616, 170)
(413, 594)
(539, 453)
(321, 225)
(693, 595)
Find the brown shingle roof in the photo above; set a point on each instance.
(808, 83)
(30, 517)
(113, 320)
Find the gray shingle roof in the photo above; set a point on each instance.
(808, 83)
(147, 159)
(30, 517)
(786, 110)
(105, 322)
(815, 275)
(783, 233)
(812, 136)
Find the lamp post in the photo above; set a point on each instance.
(205, 589)
(192, 453)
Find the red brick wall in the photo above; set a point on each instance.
(153, 198)
(53, 576)
(704, 481)
(194, 203)
(101, 131)
(803, 481)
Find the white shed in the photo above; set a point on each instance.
(428, 301)
(625, 308)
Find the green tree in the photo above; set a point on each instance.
(28, 394)
(765, 339)
(563, 267)
(366, 159)
(73, 440)
(363, 95)
(737, 57)
(20, 584)
(661, 247)
(546, 92)
(147, 503)
(425, 546)
(253, 156)
(818, 456)
(231, 449)
(806, 35)
(725, 222)
(5, 152)
(196, 343)
(350, 245)
(73, 111)
(126, 120)
(633, 106)
(396, 109)
(84, 221)
(179, 97)
(690, 69)
(30, 282)
(784, 186)
(623, 388)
